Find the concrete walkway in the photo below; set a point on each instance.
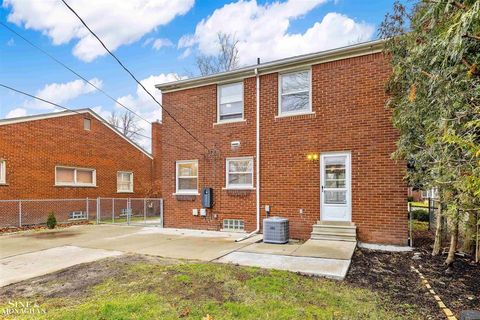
(325, 258)
(33, 253)
(30, 265)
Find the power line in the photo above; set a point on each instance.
(71, 70)
(131, 74)
(75, 111)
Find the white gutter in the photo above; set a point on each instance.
(257, 157)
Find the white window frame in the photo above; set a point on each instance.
(237, 186)
(131, 182)
(294, 113)
(89, 121)
(218, 103)
(186, 192)
(75, 183)
(3, 171)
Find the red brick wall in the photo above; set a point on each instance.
(348, 99)
(32, 150)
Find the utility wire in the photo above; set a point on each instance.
(71, 70)
(123, 132)
(131, 75)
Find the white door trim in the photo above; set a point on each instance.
(348, 172)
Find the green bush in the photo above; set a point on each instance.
(51, 221)
(420, 215)
(409, 199)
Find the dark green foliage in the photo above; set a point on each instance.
(51, 220)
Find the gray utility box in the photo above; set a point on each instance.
(275, 230)
(207, 197)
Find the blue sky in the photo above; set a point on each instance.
(185, 28)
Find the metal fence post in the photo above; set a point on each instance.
(113, 210)
(161, 212)
(98, 210)
(88, 215)
(20, 213)
(144, 210)
(410, 224)
(129, 210)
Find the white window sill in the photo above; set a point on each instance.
(239, 188)
(229, 122)
(286, 115)
(185, 194)
(74, 186)
(3, 184)
(125, 191)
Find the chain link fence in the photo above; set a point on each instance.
(29, 212)
(130, 211)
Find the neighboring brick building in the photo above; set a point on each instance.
(70, 155)
(326, 141)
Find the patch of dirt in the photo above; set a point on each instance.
(389, 273)
(40, 227)
(459, 288)
(75, 281)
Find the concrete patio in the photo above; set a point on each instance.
(33, 253)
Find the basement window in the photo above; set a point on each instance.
(3, 171)
(77, 215)
(87, 124)
(75, 177)
(233, 225)
(294, 93)
(230, 102)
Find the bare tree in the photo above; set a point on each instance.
(226, 59)
(127, 124)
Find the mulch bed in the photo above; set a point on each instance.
(459, 288)
(390, 274)
(41, 227)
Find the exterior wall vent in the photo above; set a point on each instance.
(275, 230)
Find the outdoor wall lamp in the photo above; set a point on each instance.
(312, 157)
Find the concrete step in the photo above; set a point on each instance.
(335, 223)
(348, 233)
(334, 230)
(316, 236)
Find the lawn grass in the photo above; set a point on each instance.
(193, 291)
(423, 204)
(420, 225)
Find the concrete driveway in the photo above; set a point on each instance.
(34, 253)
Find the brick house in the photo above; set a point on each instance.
(71, 154)
(307, 138)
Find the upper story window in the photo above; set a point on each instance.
(230, 102)
(187, 177)
(87, 123)
(3, 172)
(240, 173)
(124, 181)
(294, 93)
(75, 177)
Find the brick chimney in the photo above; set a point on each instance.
(157, 155)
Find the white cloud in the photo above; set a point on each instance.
(117, 23)
(143, 104)
(262, 30)
(17, 112)
(159, 43)
(62, 92)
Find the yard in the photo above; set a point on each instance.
(146, 287)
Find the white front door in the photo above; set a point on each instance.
(335, 186)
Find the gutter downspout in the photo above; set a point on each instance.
(257, 158)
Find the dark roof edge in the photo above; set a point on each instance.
(274, 66)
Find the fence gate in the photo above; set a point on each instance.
(130, 211)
